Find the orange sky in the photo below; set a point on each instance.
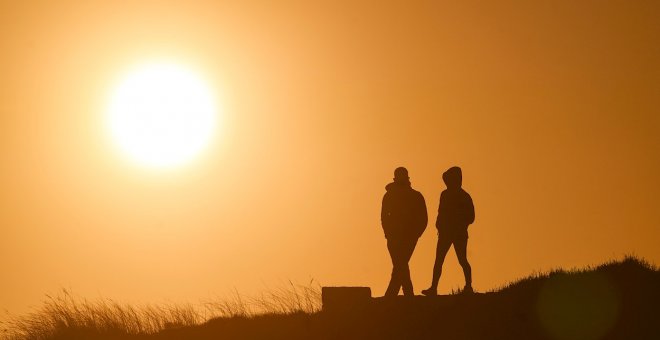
(550, 107)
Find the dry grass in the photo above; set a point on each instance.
(538, 276)
(287, 299)
(65, 313)
(65, 316)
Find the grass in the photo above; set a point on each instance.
(539, 276)
(615, 300)
(64, 313)
(287, 299)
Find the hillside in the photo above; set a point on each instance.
(618, 300)
(614, 301)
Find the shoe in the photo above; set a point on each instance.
(468, 290)
(430, 292)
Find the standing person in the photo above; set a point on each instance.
(403, 217)
(455, 214)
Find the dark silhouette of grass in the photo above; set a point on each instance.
(616, 300)
(65, 316)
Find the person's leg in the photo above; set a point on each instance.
(406, 282)
(460, 246)
(441, 250)
(395, 279)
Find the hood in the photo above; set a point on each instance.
(453, 177)
(397, 186)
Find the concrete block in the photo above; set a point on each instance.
(344, 298)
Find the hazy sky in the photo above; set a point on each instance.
(552, 109)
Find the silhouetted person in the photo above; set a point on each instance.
(455, 214)
(403, 216)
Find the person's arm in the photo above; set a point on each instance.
(423, 215)
(439, 220)
(470, 210)
(385, 215)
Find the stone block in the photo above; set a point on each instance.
(345, 298)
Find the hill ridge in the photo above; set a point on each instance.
(614, 300)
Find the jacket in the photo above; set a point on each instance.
(403, 213)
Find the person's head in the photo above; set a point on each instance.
(453, 177)
(401, 175)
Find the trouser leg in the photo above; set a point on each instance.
(406, 282)
(460, 246)
(440, 252)
(395, 279)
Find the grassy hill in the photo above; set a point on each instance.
(617, 300)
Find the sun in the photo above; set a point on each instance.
(161, 115)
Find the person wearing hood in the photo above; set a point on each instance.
(455, 214)
(404, 218)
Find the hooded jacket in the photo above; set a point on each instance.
(456, 210)
(403, 214)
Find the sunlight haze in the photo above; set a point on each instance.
(551, 109)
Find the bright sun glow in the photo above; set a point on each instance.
(161, 115)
